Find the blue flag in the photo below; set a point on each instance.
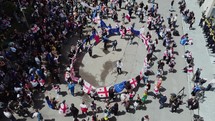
(113, 31)
(135, 32)
(92, 36)
(119, 87)
(103, 24)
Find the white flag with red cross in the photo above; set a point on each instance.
(87, 87)
(133, 82)
(144, 39)
(103, 92)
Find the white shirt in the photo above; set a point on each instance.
(119, 65)
(35, 114)
(7, 114)
(83, 106)
(175, 18)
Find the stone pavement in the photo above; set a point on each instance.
(203, 58)
(101, 71)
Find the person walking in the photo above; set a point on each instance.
(74, 111)
(171, 6)
(71, 87)
(8, 114)
(38, 115)
(119, 66)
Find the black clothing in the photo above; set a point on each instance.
(74, 111)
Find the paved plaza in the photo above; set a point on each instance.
(100, 70)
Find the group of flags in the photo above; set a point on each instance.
(103, 92)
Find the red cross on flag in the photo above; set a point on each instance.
(35, 29)
(103, 92)
(128, 31)
(87, 88)
(133, 82)
(144, 39)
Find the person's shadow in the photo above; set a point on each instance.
(124, 72)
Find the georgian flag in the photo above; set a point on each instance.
(35, 29)
(128, 17)
(144, 39)
(133, 82)
(87, 87)
(103, 92)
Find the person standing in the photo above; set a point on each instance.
(174, 21)
(172, 64)
(119, 66)
(88, 39)
(120, 4)
(162, 100)
(84, 108)
(38, 115)
(74, 111)
(123, 18)
(115, 108)
(171, 6)
(93, 107)
(71, 87)
(191, 23)
(114, 44)
(143, 99)
(7, 113)
(90, 50)
(145, 118)
(63, 108)
(111, 93)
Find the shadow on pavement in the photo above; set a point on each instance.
(49, 119)
(23, 119)
(120, 113)
(118, 50)
(96, 56)
(113, 118)
(148, 101)
(162, 89)
(106, 51)
(63, 93)
(179, 111)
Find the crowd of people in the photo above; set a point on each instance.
(32, 60)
